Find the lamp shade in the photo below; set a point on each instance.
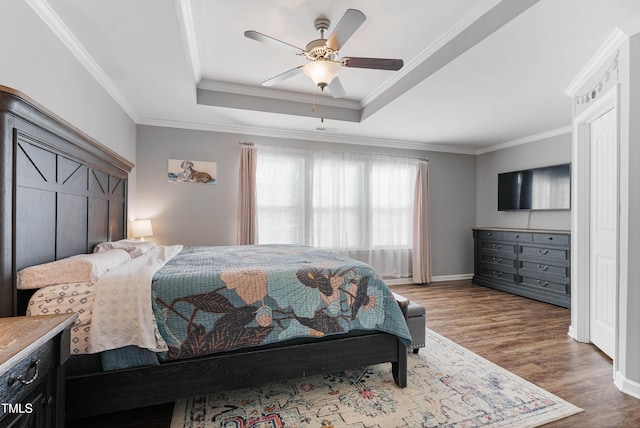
(322, 72)
(141, 228)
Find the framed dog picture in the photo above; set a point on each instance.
(190, 171)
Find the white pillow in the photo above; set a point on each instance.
(80, 268)
(133, 247)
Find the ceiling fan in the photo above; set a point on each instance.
(324, 56)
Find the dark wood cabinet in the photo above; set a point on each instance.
(33, 351)
(529, 263)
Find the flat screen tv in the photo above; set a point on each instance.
(547, 188)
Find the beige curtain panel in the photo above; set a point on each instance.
(421, 249)
(247, 229)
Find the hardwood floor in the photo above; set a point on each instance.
(526, 337)
(529, 338)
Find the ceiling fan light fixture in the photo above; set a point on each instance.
(322, 72)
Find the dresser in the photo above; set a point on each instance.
(526, 262)
(33, 351)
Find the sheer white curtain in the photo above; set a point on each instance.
(339, 201)
(359, 205)
(392, 184)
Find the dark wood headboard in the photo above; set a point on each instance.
(61, 192)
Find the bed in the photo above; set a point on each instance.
(61, 194)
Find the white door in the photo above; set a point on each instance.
(604, 232)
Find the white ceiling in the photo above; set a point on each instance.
(477, 73)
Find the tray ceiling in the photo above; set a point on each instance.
(477, 73)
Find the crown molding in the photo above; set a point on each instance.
(526, 140)
(189, 39)
(329, 136)
(319, 135)
(53, 21)
(602, 55)
(632, 27)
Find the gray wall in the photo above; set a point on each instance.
(36, 63)
(194, 214)
(549, 151)
(188, 213)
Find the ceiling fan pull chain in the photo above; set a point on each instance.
(321, 104)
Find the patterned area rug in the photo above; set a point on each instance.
(448, 386)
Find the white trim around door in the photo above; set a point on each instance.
(581, 217)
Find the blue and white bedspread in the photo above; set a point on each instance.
(216, 299)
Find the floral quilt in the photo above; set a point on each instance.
(216, 299)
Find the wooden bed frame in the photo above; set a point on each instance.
(61, 193)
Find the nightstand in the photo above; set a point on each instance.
(33, 351)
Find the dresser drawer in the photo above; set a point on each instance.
(497, 274)
(493, 259)
(493, 267)
(545, 269)
(489, 235)
(517, 236)
(551, 238)
(497, 246)
(543, 253)
(26, 375)
(547, 285)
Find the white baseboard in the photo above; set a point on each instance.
(627, 386)
(401, 281)
(572, 332)
(439, 278)
(460, 277)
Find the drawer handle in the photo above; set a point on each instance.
(543, 252)
(34, 365)
(517, 236)
(498, 274)
(544, 284)
(489, 234)
(497, 246)
(543, 268)
(497, 260)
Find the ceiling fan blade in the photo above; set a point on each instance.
(283, 76)
(336, 89)
(375, 63)
(271, 41)
(349, 23)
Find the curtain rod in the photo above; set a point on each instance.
(338, 151)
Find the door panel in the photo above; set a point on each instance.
(604, 232)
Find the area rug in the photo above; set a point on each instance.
(449, 386)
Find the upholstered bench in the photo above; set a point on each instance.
(415, 314)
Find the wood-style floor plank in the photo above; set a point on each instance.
(526, 337)
(529, 338)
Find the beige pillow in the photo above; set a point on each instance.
(81, 268)
(133, 247)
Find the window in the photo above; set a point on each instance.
(357, 204)
(338, 207)
(280, 183)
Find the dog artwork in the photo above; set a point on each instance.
(193, 175)
(187, 171)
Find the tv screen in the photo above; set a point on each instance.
(547, 188)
